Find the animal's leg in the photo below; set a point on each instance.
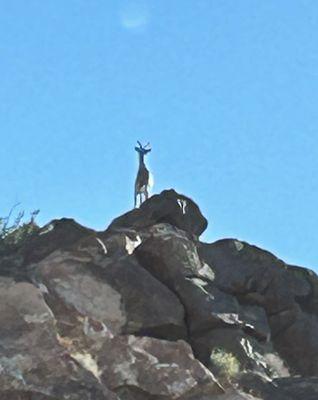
(135, 199)
(140, 199)
(146, 194)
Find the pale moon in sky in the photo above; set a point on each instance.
(134, 15)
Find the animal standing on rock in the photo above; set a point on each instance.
(143, 176)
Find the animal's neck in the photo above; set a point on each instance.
(141, 160)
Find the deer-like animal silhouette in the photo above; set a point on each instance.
(142, 179)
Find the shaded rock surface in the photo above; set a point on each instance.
(286, 294)
(168, 207)
(154, 367)
(145, 311)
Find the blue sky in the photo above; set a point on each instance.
(225, 91)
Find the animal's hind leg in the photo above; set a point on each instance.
(146, 194)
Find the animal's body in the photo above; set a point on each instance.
(142, 182)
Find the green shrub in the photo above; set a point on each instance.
(13, 231)
(225, 364)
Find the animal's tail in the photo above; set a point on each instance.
(151, 181)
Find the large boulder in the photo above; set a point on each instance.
(57, 234)
(295, 337)
(308, 301)
(226, 351)
(287, 294)
(289, 388)
(173, 260)
(211, 314)
(144, 311)
(253, 274)
(151, 369)
(32, 360)
(167, 207)
(298, 388)
(116, 297)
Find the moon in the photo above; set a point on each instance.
(134, 15)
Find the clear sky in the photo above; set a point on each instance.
(226, 91)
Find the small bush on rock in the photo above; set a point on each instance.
(225, 364)
(13, 231)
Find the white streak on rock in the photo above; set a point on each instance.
(207, 272)
(183, 205)
(132, 244)
(87, 361)
(239, 245)
(43, 288)
(37, 318)
(126, 373)
(102, 245)
(46, 229)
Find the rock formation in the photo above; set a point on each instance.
(145, 311)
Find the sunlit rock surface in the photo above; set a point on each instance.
(145, 311)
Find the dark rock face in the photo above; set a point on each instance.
(252, 273)
(299, 388)
(295, 388)
(167, 207)
(286, 294)
(144, 311)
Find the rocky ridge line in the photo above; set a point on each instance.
(145, 311)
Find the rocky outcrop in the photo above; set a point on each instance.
(145, 311)
(33, 361)
(168, 207)
(145, 368)
(285, 293)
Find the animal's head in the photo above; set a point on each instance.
(143, 149)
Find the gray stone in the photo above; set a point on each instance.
(157, 368)
(297, 341)
(32, 360)
(118, 297)
(239, 349)
(253, 274)
(167, 207)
